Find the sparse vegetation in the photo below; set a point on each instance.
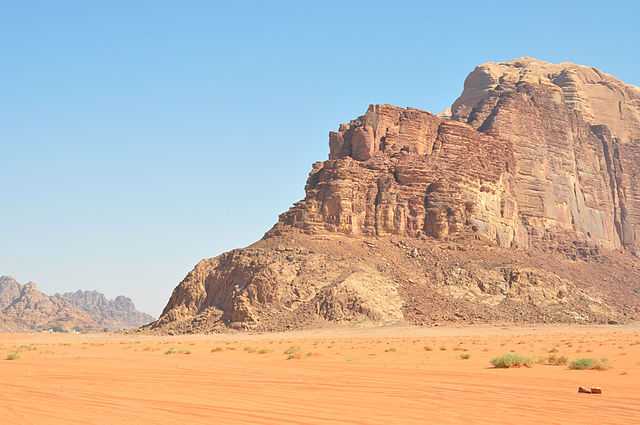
(427, 348)
(554, 360)
(29, 347)
(13, 356)
(465, 356)
(510, 360)
(589, 364)
(217, 349)
(174, 351)
(292, 350)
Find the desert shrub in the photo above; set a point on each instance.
(390, 350)
(511, 360)
(292, 350)
(554, 360)
(427, 348)
(29, 347)
(174, 351)
(294, 356)
(13, 356)
(465, 356)
(589, 364)
(217, 349)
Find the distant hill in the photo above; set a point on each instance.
(25, 308)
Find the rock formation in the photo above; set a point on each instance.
(25, 308)
(111, 314)
(522, 205)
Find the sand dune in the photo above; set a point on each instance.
(359, 376)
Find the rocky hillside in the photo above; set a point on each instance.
(522, 205)
(24, 308)
(113, 314)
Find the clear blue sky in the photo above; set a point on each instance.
(137, 137)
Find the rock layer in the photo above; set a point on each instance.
(537, 161)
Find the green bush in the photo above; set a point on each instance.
(511, 360)
(589, 364)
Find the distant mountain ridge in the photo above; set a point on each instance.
(105, 311)
(25, 308)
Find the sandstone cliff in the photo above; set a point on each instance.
(25, 308)
(112, 314)
(523, 205)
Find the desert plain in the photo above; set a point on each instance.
(385, 375)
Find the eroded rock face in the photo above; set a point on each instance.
(421, 176)
(119, 313)
(535, 152)
(533, 158)
(574, 133)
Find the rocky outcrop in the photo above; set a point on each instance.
(405, 172)
(25, 308)
(535, 152)
(112, 314)
(535, 161)
(574, 133)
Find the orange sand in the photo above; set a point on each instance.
(362, 376)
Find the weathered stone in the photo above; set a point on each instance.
(536, 162)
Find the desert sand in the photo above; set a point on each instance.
(351, 376)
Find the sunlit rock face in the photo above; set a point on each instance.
(520, 203)
(534, 152)
(574, 133)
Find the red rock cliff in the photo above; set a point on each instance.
(523, 205)
(535, 152)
